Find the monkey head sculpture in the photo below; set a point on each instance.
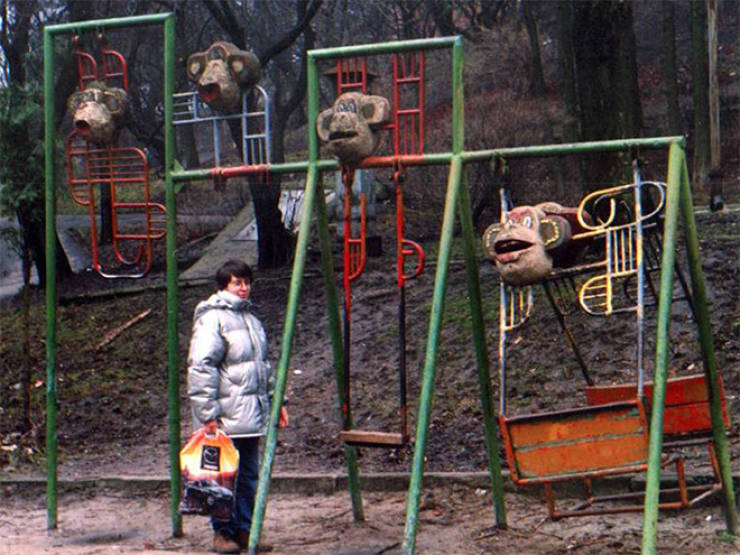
(350, 126)
(222, 74)
(533, 241)
(99, 112)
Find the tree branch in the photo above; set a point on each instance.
(226, 18)
(290, 37)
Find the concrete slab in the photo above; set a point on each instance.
(227, 244)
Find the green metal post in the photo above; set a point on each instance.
(652, 487)
(50, 31)
(706, 342)
(481, 356)
(430, 362)
(173, 358)
(335, 330)
(51, 283)
(437, 311)
(291, 311)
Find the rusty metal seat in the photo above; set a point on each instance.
(583, 444)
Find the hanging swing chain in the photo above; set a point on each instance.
(404, 247)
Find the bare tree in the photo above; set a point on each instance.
(256, 26)
(700, 87)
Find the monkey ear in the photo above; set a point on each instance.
(322, 124)
(196, 66)
(555, 231)
(74, 101)
(375, 109)
(489, 235)
(246, 68)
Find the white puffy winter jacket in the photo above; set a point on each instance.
(229, 377)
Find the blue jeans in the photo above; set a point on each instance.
(246, 487)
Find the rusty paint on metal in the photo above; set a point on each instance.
(599, 440)
(686, 405)
(576, 425)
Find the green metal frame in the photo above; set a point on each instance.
(457, 198)
(167, 20)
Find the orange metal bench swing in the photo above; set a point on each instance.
(609, 436)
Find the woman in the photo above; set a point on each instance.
(230, 384)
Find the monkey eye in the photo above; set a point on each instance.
(194, 67)
(342, 107)
(527, 221)
(111, 101)
(351, 106)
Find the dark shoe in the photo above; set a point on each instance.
(224, 544)
(242, 538)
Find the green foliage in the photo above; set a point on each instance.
(21, 153)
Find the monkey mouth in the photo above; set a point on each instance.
(509, 250)
(210, 92)
(82, 127)
(341, 135)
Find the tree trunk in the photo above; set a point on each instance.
(700, 83)
(275, 249)
(595, 50)
(606, 78)
(675, 126)
(714, 127)
(536, 79)
(626, 86)
(566, 56)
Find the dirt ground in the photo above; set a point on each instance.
(113, 413)
(456, 519)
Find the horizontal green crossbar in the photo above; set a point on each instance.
(151, 19)
(467, 157)
(383, 48)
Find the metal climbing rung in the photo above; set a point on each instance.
(256, 148)
(351, 75)
(361, 438)
(408, 104)
(87, 69)
(114, 67)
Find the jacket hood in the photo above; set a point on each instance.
(221, 300)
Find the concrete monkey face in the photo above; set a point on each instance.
(530, 243)
(222, 74)
(99, 112)
(350, 126)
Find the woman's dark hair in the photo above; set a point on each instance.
(235, 268)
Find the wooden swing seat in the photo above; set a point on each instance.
(362, 438)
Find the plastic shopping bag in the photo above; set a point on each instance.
(208, 465)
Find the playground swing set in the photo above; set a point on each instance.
(407, 138)
(677, 407)
(135, 224)
(609, 436)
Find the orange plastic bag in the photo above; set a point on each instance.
(208, 464)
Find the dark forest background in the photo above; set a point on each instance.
(536, 72)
